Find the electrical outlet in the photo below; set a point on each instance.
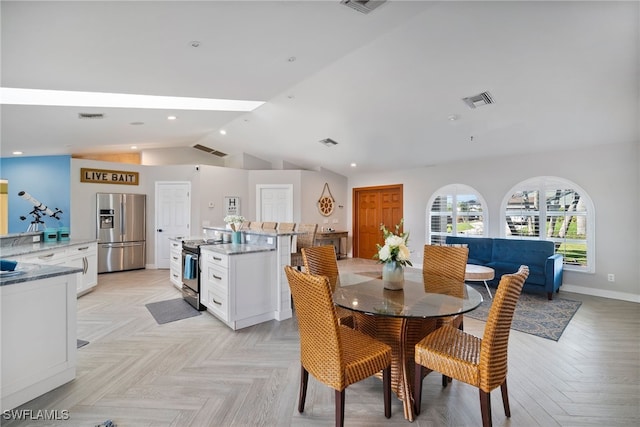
(611, 277)
(335, 221)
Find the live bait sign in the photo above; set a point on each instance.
(105, 176)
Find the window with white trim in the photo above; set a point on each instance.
(554, 209)
(455, 210)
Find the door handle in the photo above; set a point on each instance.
(159, 230)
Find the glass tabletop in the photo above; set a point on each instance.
(423, 296)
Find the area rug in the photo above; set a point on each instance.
(171, 310)
(534, 314)
(81, 343)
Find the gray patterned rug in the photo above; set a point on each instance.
(534, 314)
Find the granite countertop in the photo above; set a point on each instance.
(237, 249)
(12, 251)
(26, 272)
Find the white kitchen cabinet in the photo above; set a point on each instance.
(84, 256)
(239, 289)
(38, 330)
(175, 263)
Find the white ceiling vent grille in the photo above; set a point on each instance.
(362, 6)
(479, 100)
(328, 142)
(209, 150)
(90, 116)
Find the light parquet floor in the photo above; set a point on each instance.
(197, 372)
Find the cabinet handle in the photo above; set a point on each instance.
(215, 302)
(84, 248)
(85, 265)
(216, 277)
(175, 257)
(175, 275)
(46, 256)
(217, 259)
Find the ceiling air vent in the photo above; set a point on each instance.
(209, 150)
(328, 142)
(92, 116)
(476, 101)
(362, 6)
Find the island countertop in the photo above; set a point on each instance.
(26, 272)
(7, 252)
(237, 248)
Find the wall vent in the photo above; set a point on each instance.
(209, 150)
(476, 101)
(328, 142)
(362, 6)
(90, 116)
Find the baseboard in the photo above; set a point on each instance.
(624, 296)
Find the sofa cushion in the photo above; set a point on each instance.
(480, 249)
(527, 252)
(536, 271)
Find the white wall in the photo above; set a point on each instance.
(179, 156)
(609, 174)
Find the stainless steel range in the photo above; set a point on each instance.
(191, 276)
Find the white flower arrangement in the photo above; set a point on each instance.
(235, 221)
(395, 247)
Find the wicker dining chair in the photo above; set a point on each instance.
(269, 225)
(335, 355)
(246, 225)
(446, 261)
(305, 240)
(480, 362)
(255, 225)
(322, 261)
(286, 226)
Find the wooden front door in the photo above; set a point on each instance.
(374, 206)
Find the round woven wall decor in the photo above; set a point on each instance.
(326, 203)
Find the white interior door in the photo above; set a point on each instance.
(173, 216)
(274, 202)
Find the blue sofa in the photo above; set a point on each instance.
(506, 256)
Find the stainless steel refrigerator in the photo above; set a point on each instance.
(121, 231)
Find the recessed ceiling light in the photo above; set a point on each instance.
(17, 153)
(453, 117)
(172, 118)
(353, 165)
(292, 59)
(136, 123)
(134, 147)
(223, 132)
(194, 43)
(62, 98)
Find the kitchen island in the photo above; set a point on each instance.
(261, 291)
(38, 314)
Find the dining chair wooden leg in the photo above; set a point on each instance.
(505, 398)
(304, 379)
(340, 408)
(417, 389)
(445, 380)
(386, 383)
(485, 408)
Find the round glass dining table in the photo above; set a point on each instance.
(401, 318)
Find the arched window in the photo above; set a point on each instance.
(455, 210)
(554, 209)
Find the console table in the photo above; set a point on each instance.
(333, 238)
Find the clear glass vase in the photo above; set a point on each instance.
(393, 275)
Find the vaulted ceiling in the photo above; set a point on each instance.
(387, 86)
